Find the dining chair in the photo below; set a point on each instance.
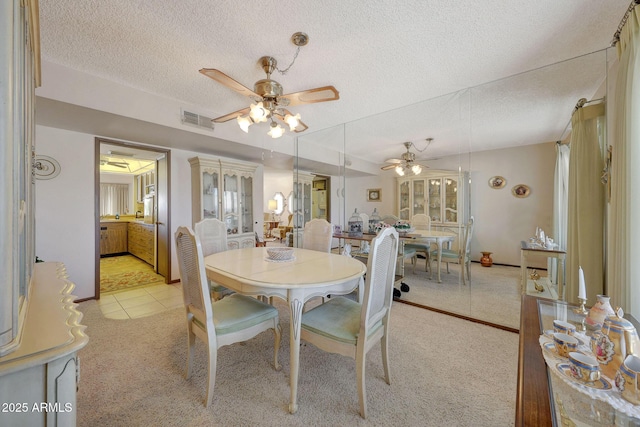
(235, 318)
(421, 222)
(390, 219)
(317, 235)
(461, 256)
(213, 237)
(346, 327)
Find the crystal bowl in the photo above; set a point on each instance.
(280, 254)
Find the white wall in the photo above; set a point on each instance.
(501, 219)
(65, 214)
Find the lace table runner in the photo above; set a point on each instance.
(612, 396)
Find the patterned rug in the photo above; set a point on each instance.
(126, 272)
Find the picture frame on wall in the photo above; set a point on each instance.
(521, 191)
(497, 182)
(374, 195)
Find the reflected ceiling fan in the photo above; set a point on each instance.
(123, 165)
(407, 161)
(267, 94)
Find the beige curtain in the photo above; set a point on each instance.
(623, 257)
(560, 205)
(585, 231)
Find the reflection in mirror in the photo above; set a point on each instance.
(471, 145)
(280, 203)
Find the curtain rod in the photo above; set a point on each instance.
(581, 103)
(616, 35)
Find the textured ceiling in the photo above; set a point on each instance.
(382, 56)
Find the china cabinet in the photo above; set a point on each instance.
(442, 195)
(40, 330)
(224, 190)
(300, 205)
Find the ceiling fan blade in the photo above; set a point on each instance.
(301, 126)
(222, 78)
(393, 161)
(387, 167)
(117, 164)
(310, 96)
(230, 116)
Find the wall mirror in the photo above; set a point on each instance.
(280, 203)
(465, 121)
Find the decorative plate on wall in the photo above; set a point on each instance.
(497, 182)
(521, 190)
(45, 167)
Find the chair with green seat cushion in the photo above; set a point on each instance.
(346, 327)
(462, 256)
(421, 222)
(213, 237)
(233, 319)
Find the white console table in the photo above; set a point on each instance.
(38, 380)
(552, 291)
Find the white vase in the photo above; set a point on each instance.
(600, 310)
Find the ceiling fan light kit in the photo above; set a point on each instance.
(267, 94)
(407, 162)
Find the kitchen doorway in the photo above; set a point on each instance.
(132, 216)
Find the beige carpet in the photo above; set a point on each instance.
(493, 296)
(444, 371)
(126, 272)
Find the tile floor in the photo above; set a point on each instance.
(141, 302)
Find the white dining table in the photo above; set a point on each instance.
(310, 274)
(433, 236)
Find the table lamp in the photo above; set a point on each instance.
(272, 206)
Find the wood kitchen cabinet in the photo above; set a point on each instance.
(113, 238)
(141, 241)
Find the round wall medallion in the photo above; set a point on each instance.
(521, 191)
(497, 182)
(45, 167)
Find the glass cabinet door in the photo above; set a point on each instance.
(404, 195)
(246, 184)
(419, 194)
(434, 199)
(306, 202)
(450, 200)
(230, 203)
(210, 197)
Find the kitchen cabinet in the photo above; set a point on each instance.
(145, 184)
(224, 190)
(141, 241)
(442, 195)
(113, 238)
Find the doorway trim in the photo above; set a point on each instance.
(98, 142)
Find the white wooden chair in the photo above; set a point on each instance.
(346, 327)
(421, 222)
(233, 319)
(317, 235)
(461, 256)
(213, 237)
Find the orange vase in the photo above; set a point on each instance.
(486, 260)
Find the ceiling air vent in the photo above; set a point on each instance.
(195, 119)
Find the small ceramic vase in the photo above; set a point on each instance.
(486, 260)
(599, 312)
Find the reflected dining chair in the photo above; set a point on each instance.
(213, 237)
(235, 318)
(462, 256)
(351, 329)
(421, 222)
(317, 235)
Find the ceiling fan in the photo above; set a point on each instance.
(123, 165)
(407, 161)
(269, 101)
